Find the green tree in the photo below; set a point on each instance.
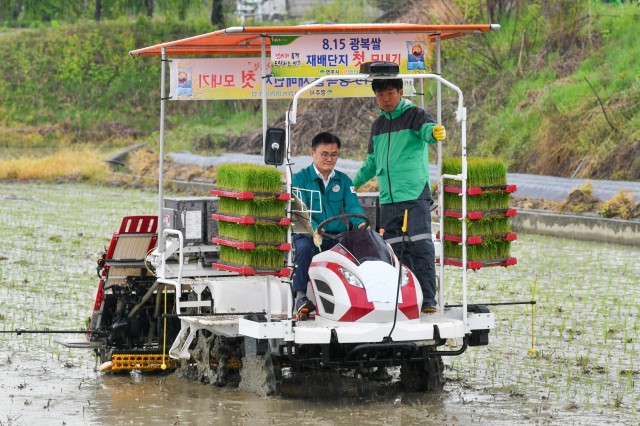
(217, 15)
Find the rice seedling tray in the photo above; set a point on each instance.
(246, 245)
(479, 240)
(246, 271)
(245, 195)
(479, 264)
(248, 220)
(481, 214)
(481, 189)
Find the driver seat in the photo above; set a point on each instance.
(365, 245)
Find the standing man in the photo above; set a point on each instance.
(398, 156)
(337, 192)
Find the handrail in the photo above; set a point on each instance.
(180, 252)
(294, 107)
(163, 271)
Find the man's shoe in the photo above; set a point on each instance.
(428, 308)
(303, 302)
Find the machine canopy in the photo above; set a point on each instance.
(246, 40)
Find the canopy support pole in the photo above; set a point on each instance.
(439, 121)
(161, 238)
(263, 47)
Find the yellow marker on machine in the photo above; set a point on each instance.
(404, 226)
(164, 341)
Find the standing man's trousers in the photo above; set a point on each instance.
(419, 252)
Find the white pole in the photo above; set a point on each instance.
(463, 138)
(268, 298)
(421, 83)
(439, 101)
(161, 238)
(263, 47)
(289, 234)
(441, 183)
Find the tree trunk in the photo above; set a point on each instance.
(17, 9)
(217, 16)
(2, 12)
(97, 15)
(149, 5)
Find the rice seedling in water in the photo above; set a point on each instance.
(258, 207)
(490, 249)
(260, 257)
(478, 227)
(260, 232)
(249, 177)
(487, 201)
(480, 171)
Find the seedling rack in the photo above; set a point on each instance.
(481, 214)
(488, 177)
(244, 245)
(479, 240)
(245, 195)
(249, 220)
(479, 264)
(481, 189)
(247, 271)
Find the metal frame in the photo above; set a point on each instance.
(461, 117)
(290, 118)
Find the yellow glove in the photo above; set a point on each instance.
(439, 133)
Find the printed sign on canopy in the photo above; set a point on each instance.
(320, 55)
(241, 78)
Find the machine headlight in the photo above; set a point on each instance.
(350, 278)
(405, 277)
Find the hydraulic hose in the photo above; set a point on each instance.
(395, 311)
(144, 299)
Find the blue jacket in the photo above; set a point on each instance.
(339, 193)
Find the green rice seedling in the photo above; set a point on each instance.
(259, 232)
(258, 207)
(488, 201)
(479, 227)
(260, 257)
(480, 171)
(249, 177)
(490, 249)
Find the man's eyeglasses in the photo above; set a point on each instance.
(326, 155)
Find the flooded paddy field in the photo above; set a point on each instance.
(584, 370)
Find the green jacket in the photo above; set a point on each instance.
(339, 193)
(398, 155)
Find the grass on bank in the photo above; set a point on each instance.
(532, 106)
(82, 164)
(260, 257)
(249, 177)
(259, 232)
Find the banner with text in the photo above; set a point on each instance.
(241, 78)
(320, 55)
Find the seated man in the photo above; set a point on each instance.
(336, 191)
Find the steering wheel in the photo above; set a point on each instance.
(320, 227)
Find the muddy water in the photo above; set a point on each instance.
(584, 370)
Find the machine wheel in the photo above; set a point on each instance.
(427, 375)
